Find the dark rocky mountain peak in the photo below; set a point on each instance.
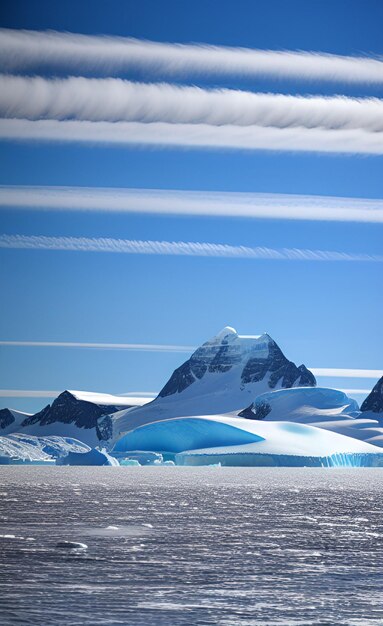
(374, 401)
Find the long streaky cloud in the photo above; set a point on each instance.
(356, 392)
(199, 136)
(180, 248)
(135, 347)
(346, 372)
(115, 100)
(320, 372)
(45, 393)
(25, 393)
(23, 49)
(194, 203)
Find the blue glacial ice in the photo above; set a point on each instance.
(227, 440)
(92, 457)
(181, 434)
(143, 457)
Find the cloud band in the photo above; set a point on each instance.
(115, 100)
(194, 203)
(23, 49)
(199, 136)
(169, 248)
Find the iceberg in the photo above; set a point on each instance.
(235, 441)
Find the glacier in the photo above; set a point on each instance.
(324, 408)
(234, 441)
(14, 452)
(22, 448)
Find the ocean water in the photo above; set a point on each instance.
(182, 546)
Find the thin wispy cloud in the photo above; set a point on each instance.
(180, 248)
(199, 136)
(194, 203)
(114, 100)
(23, 49)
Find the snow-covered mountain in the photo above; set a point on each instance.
(72, 414)
(324, 408)
(11, 420)
(374, 401)
(225, 374)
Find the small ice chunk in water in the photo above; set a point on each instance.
(132, 462)
(71, 545)
(112, 528)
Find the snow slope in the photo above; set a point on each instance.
(225, 374)
(324, 408)
(237, 441)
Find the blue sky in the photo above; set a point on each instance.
(324, 314)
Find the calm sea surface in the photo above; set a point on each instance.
(185, 546)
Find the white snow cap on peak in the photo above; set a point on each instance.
(229, 333)
(263, 335)
(225, 332)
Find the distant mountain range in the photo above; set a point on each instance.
(246, 376)
(71, 414)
